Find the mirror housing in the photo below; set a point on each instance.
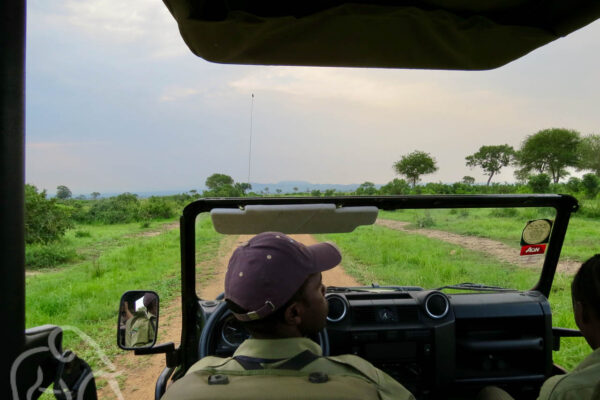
(137, 322)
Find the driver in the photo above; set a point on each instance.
(273, 285)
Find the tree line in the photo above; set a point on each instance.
(544, 155)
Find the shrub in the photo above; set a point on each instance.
(156, 207)
(119, 209)
(589, 209)
(45, 220)
(573, 185)
(591, 185)
(49, 255)
(425, 220)
(396, 186)
(539, 183)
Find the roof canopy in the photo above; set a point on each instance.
(431, 34)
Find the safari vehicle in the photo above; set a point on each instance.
(438, 348)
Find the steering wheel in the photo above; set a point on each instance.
(221, 312)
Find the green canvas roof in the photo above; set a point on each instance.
(431, 34)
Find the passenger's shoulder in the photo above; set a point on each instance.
(573, 386)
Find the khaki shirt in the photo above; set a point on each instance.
(578, 384)
(346, 365)
(140, 329)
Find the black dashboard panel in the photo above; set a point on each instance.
(436, 343)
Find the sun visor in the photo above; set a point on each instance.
(429, 34)
(291, 218)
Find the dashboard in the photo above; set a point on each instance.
(430, 341)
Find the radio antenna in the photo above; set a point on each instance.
(250, 146)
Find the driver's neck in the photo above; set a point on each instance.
(280, 332)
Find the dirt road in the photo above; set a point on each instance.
(139, 373)
(491, 247)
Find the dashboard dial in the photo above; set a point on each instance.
(232, 332)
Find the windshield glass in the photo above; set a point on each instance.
(435, 248)
(487, 248)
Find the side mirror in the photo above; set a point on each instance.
(137, 323)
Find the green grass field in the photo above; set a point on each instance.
(505, 225)
(86, 294)
(389, 257)
(86, 242)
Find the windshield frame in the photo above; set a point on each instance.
(564, 205)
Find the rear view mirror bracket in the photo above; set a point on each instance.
(172, 354)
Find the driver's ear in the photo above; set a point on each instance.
(293, 314)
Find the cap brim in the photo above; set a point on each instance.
(325, 255)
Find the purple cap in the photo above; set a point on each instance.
(264, 273)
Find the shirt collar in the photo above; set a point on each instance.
(276, 348)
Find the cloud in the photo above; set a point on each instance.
(413, 93)
(177, 93)
(142, 23)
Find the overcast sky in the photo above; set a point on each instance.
(116, 102)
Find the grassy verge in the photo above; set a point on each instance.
(504, 225)
(86, 295)
(377, 254)
(86, 242)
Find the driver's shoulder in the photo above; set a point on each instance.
(212, 362)
(356, 363)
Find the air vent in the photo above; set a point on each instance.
(437, 305)
(338, 308)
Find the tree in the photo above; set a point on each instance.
(589, 153)
(63, 192)
(414, 165)
(95, 195)
(550, 150)
(215, 181)
(468, 180)
(295, 188)
(45, 219)
(366, 189)
(243, 187)
(278, 190)
(491, 159)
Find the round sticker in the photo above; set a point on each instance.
(537, 231)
